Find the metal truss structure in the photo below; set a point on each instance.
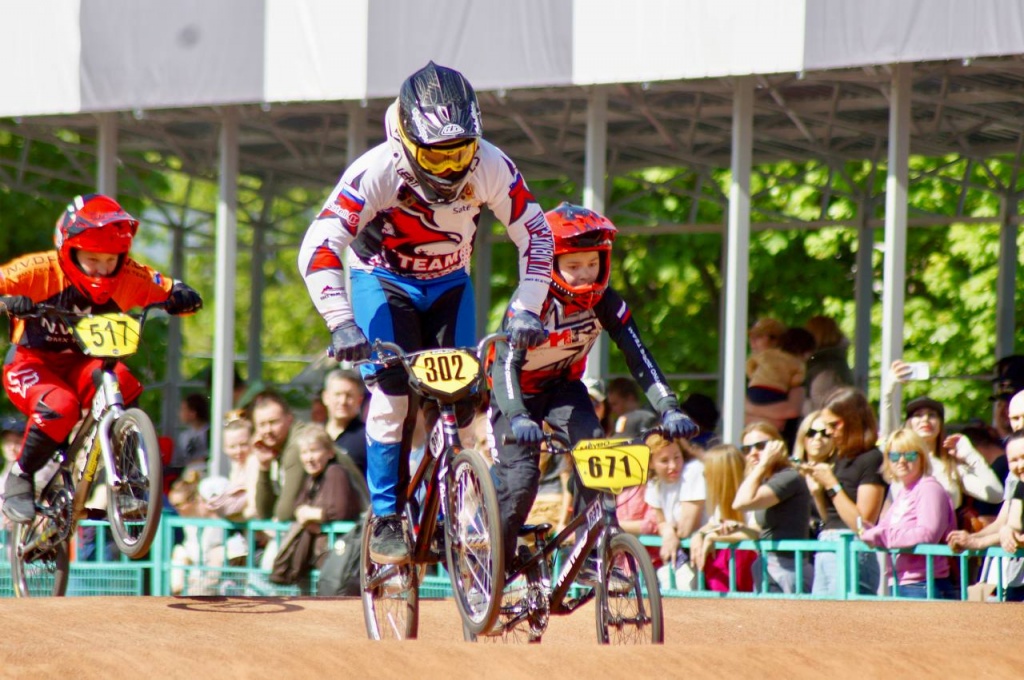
(966, 113)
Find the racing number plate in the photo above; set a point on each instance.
(446, 371)
(611, 464)
(108, 335)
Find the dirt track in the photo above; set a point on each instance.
(279, 638)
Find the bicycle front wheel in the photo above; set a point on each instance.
(628, 600)
(39, 559)
(390, 592)
(134, 506)
(473, 544)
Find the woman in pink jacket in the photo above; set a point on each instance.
(920, 512)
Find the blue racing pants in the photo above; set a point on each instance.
(414, 314)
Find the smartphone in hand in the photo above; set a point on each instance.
(919, 370)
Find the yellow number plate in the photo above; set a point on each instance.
(108, 335)
(446, 371)
(611, 464)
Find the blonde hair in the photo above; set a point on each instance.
(313, 433)
(799, 450)
(724, 468)
(657, 442)
(905, 439)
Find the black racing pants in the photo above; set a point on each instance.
(567, 409)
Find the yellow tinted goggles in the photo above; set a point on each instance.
(438, 160)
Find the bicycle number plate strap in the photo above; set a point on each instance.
(108, 335)
(611, 464)
(446, 373)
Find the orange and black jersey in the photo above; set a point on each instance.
(562, 357)
(39, 277)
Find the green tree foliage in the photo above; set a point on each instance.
(674, 282)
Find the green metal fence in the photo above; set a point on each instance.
(847, 550)
(98, 569)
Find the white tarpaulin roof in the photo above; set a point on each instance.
(70, 56)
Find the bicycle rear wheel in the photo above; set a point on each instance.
(133, 508)
(38, 554)
(391, 594)
(628, 600)
(473, 545)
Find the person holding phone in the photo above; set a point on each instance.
(853, 485)
(959, 467)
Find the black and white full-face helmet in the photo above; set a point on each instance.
(439, 124)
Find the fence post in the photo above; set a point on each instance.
(845, 558)
(156, 558)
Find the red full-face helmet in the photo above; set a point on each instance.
(97, 224)
(577, 229)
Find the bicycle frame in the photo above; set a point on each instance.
(93, 438)
(432, 471)
(601, 525)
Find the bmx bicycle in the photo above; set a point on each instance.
(628, 606)
(120, 442)
(450, 500)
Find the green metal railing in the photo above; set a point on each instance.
(98, 570)
(847, 549)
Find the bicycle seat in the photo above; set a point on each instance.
(534, 529)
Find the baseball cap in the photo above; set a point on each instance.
(11, 424)
(919, 403)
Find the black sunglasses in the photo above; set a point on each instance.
(824, 434)
(747, 448)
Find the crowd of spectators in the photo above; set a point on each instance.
(812, 463)
(922, 483)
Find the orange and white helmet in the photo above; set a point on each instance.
(94, 223)
(577, 229)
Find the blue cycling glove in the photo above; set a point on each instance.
(678, 425)
(525, 329)
(348, 343)
(526, 431)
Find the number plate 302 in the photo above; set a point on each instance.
(446, 372)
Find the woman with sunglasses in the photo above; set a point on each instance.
(853, 484)
(920, 512)
(781, 503)
(813, 444)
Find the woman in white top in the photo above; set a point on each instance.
(955, 463)
(675, 493)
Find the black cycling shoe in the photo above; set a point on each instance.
(20, 498)
(387, 541)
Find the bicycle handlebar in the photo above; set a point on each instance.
(397, 355)
(43, 309)
(558, 443)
